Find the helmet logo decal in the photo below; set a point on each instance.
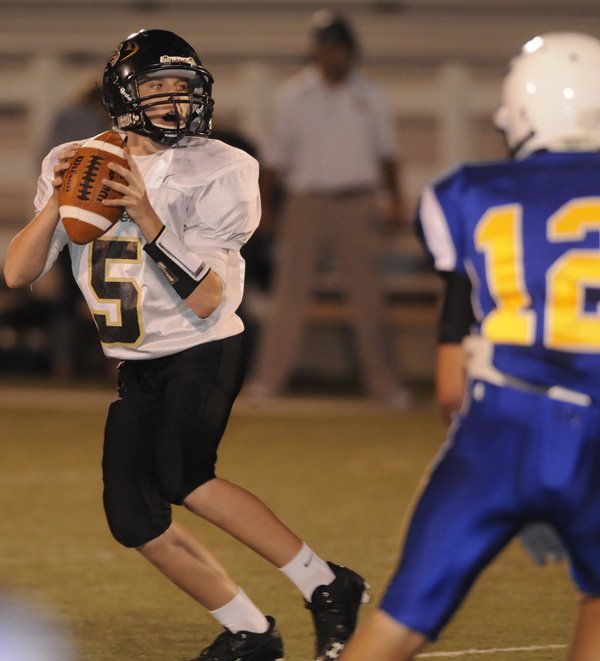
(123, 51)
(176, 59)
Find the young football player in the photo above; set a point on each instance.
(520, 239)
(163, 286)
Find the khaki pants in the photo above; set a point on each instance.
(345, 225)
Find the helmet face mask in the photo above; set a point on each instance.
(551, 95)
(158, 54)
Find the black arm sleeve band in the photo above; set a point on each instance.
(183, 269)
(457, 314)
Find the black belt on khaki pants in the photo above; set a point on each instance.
(340, 193)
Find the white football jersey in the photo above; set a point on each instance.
(204, 191)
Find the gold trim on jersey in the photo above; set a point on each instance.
(122, 292)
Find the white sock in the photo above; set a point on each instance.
(241, 614)
(308, 571)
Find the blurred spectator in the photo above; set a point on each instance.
(256, 252)
(73, 336)
(25, 318)
(333, 151)
(39, 331)
(82, 116)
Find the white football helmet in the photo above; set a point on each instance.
(551, 95)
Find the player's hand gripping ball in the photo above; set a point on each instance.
(81, 193)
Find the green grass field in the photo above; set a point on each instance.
(341, 476)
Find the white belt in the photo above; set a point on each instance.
(479, 366)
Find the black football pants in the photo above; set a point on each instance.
(162, 434)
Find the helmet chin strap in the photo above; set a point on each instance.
(170, 116)
(513, 151)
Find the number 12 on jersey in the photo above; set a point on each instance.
(567, 324)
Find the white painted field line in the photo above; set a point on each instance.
(58, 558)
(494, 650)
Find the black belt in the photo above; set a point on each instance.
(340, 193)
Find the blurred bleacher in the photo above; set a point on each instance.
(440, 61)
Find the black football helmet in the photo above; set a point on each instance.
(156, 53)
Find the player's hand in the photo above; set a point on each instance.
(542, 543)
(135, 199)
(64, 159)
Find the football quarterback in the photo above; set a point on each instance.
(163, 285)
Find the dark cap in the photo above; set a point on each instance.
(327, 27)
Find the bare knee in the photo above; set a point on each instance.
(197, 499)
(157, 546)
(385, 639)
(585, 643)
(215, 498)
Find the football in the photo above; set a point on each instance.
(80, 195)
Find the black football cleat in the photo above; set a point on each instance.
(245, 646)
(334, 609)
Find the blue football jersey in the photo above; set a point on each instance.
(527, 234)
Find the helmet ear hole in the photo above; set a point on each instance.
(155, 54)
(500, 118)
